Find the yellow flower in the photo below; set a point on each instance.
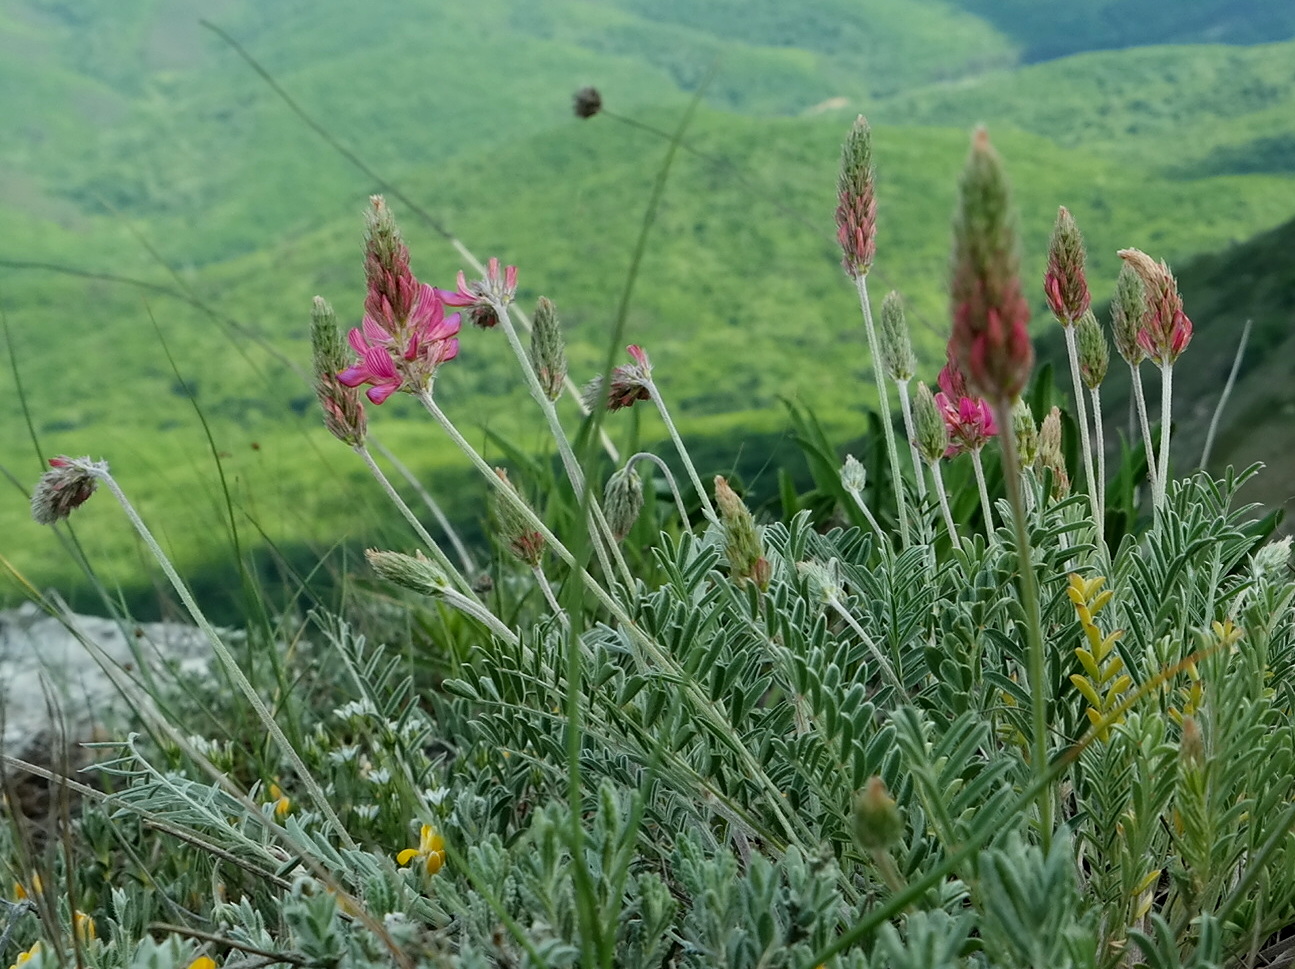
(431, 849)
(281, 803)
(24, 956)
(83, 925)
(21, 891)
(203, 962)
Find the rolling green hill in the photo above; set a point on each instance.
(740, 299)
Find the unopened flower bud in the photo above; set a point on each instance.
(1191, 748)
(1094, 353)
(548, 349)
(856, 201)
(875, 820)
(1051, 456)
(1273, 560)
(1166, 330)
(413, 572)
(741, 539)
(343, 412)
(896, 346)
(824, 580)
(623, 500)
(587, 102)
(1063, 282)
(1026, 433)
(853, 475)
(515, 528)
(1128, 309)
(929, 429)
(66, 486)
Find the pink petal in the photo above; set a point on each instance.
(373, 332)
(353, 376)
(379, 363)
(356, 340)
(380, 392)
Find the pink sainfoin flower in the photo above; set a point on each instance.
(629, 383)
(1064, 283)
(969, 420)
(856, 201)
(405, 335)
(1165, 330)
(65, 487)
(481, 295)
(990, 340)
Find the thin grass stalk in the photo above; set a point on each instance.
(1166, 402)
(1033, 616)
(906, 407)
(1223, 398)
(986, 509)
(680, 508)
(655, 656)
(1099, 446)
(682, 451)
(937, 477)
(1140, 398)
(451, 533)
(438, 556)
(892, 455)
(1081, 412)
(604, 542)
(887, 670)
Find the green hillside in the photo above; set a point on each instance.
(159, 136)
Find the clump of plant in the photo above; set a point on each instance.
(669, 733)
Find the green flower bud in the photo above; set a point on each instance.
(412, 572)
(741, 540)
(1128, 310)
(896, 346)
(876, 821)
(853, 476)
(548, 350)
(514, 526)
(1026, 433)
(623, 500)
(928, 425)
(1094, 353)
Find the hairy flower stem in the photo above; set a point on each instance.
(1081, 412)
(937, 476)
(438, 556)
(461, 550)
(477, 610)
(653, 657)
(1099, 446)
(887, 670)
(1166, 401)
(863, 507)
(892, 455)
(670, 481)
(1141, 399)
(230, 664)
(1033, 618)
(600, 534)
(986, 509)
(543, 582)
(683, 452)
(906, 406)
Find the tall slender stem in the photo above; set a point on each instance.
(863, 507)
(1099, 446)
(1033, 617)
(461, 550)
(1081, 412)
(543, 582)
(1140, 397)
(438, 556)
(986, 509)
(892, 455)
(938, 478)
(683, 451)
(231, 665)
(1166, 401)
(872, 647)
(906, 406)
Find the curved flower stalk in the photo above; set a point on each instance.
(856, 221)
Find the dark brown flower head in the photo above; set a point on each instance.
(990, 339)
(1064, 282)
(66, 486)
(587, 102)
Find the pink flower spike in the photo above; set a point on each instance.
(970, 423)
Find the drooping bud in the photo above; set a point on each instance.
(875, 820)
(587, 102)
(1094, 353)
(1063, 281)
(1128, 313)
(1026, 433)
(896, 345)
(548, 349)
(853, 475)
(1051, 456)
(1165, 330)
(856, 201)
(629, 383)
(65, 487)
(343, 413)
(929, 429)
(623, 500)
(990, 340)
(413, 572)
(741, 539)
(515, 529)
